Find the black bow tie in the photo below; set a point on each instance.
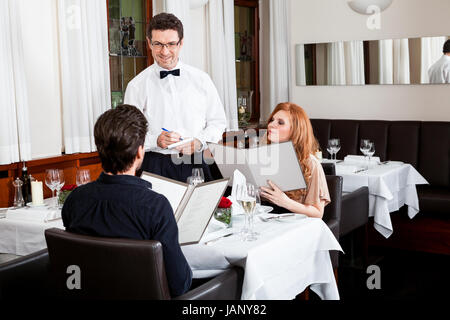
(164, 74)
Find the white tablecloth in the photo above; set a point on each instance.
(22, 231)
(391, 186)
(287, 257)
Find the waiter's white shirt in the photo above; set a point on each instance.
(188, 104)
(440, 71)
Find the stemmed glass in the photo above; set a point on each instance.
(246, 196)
(83, 177)
(364, 147)
(370, 152)
(60, 183)
(330, 148)
(53, 181)
(197, 176)
(336, 147)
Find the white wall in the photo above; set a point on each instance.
(332, 20)
(40, 43)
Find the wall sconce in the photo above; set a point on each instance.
(363, 6)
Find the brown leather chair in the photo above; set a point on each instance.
(354, 215)
(25, 277)
(332, 212)
(124, 269)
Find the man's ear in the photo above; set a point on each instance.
(140, 153)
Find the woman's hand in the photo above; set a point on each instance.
(275, 195)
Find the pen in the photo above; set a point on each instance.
(164, 129)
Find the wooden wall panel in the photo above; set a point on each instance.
(69, 163)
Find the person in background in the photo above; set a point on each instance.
(289, 122)
(119, 204)
(179, 101)
(440, 71)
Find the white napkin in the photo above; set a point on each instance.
(33, 214)
(346, 168)
(238, 178)
(360, 160)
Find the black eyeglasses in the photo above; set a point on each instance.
(171, 45)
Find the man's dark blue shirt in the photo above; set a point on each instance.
(124, 206)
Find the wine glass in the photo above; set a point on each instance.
(83, 177)
(330, 148)
(51, 181)
(258, 209)
(336, 147)
(246, 196)
(364, 147)
(370, 152)
(60, 181)
(198, 175)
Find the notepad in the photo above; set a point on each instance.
(276, 162)
(180, 143)
(193, 206)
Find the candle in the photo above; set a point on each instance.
(37, 193)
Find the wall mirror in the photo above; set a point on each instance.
(390, 61)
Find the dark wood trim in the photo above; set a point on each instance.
(149, 15)
(69, 163)
(247, 3)
(366, 62)
(314, 60)
(256, 99)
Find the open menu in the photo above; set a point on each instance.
(193, 206)
(276, 162)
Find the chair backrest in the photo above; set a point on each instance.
(108, 268)
(332, 212)
(329, 168)
(333, 209)
(25, 277)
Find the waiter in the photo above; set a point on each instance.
(179, 101)
(440, 71)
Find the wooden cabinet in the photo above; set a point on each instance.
(246, 25)
(129, 53)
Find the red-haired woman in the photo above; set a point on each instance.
(289, 122)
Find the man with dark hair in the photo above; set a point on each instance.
(119, 204)
(178, 100)
(440, 71)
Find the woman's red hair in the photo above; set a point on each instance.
(302, 135)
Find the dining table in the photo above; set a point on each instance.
(391, 184)
(290, 253)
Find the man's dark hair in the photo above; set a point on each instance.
(118, 134)
(447, 46)
(165, 21)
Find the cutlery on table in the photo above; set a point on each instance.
(218, 238)
(276, 217)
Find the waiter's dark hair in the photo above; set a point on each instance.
(447, 46)
(118, 134)
(165, 21)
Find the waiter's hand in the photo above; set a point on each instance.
(165, 139)
(190, 148)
